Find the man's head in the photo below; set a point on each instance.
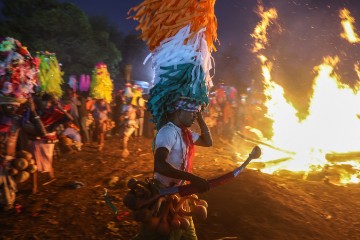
(102, 102)
(185, 112)
(47, 100)
(185, 118)
(10, 109)
(10, 105)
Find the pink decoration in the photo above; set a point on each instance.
(82, 83)
(87, 83)
(100, 65)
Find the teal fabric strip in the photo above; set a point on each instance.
(176, 82)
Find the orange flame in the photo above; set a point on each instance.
(329, 127)
(303, 145)
(357, 69)
(347, 22)
(267, 18)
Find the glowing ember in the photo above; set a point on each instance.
(347, 22)
(357, 69)
(259, 34)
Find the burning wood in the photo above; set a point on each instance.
(267, 164)
(342, 157)
(248, 139)
(257, 165)
(290, 174)
(342, 174)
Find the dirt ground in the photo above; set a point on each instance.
(252, 206)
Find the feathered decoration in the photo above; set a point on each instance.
(101, 86)
(180, 35)
(18, 71)
(159, 20)
(50, 75)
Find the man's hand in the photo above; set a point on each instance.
(205, 139)
(199, 115)
(58, 105)
(200, 183)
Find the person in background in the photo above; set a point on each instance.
(70, 137)
(70, 98)
(228, 120)
(52, 114)
(10, 124)
(149, 127)
(130, 125)
(117, 112)
(90, 123)
(83, 118)
(140, 113)
(101, 110)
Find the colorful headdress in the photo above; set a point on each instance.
(180, 35)
(18, 71)
(101, 86)
(50, 74)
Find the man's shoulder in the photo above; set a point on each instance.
(167, 136)
(168, 128)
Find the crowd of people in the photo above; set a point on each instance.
(40, 115)
(45, 126)
(77, 119)
(93, 120)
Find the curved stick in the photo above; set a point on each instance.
(191, 189)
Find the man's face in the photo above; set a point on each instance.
(46, 104)
(187, 118)
(10, 109)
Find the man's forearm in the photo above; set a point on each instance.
(205, 132)
(202, 124)
(35, 127)
(66, 113)
(167, 170)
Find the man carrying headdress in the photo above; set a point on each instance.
(180, 35)
(16, 86)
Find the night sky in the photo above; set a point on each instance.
(311, 30)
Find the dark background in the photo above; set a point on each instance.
(310, 31)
